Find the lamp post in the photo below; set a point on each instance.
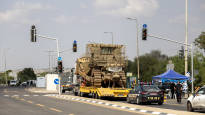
(186, 37)
(137, 43)
(5, 64)
(111, 34)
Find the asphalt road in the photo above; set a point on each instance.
(18, 101)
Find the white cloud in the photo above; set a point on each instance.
(20, 13)
(127, 7)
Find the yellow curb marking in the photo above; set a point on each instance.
(40, 105)
(53, 109)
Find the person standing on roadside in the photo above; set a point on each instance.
(172, 86)
(178, 91)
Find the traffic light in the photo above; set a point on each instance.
(144, 32)
(33, 33)
(60, 66)
(75, 46)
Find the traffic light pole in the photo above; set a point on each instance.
(58, 54)
(192, 60)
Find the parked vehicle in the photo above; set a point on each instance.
(146, 94)
(197, 100)
(13, 83)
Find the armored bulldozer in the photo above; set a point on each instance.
(102, 66)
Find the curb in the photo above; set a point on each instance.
(109, 104)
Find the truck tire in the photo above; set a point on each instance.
(63, 91)
(76, 93)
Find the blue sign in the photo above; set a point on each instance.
(59, 58)
(56, 81)
(144, 25)
(75, 42)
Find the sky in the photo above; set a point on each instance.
(86, 21)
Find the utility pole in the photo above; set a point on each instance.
(137, 44)
(186, 37)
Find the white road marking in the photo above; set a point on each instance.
(88, 100)
(35, 95)
(26, 95)
(100, 102)
(156, 113)
(123, 107)
(143, 110)
(133, 109)
(114, 105)
(15, 95)
(93, 101)
(6, 95)
(107, 104)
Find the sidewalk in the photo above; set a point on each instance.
(40, 90)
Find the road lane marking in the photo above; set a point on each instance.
(15, 95)
(30, 102)
(71, 114)
(26, 95)
(6, 95)
(40, 105)
(35, 95)
(53, 109)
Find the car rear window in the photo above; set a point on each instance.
(150, 88)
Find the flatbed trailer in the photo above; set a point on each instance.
(99, 93)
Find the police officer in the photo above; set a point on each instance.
(178, 88)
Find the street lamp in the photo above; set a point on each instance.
(5, 64)
(111, 34)
(138, 65)
(186, 36)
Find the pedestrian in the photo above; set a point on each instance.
(178, 91)
(172, 86)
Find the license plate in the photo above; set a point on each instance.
(153, 98)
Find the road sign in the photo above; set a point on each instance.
(56, 81)
(59, 58)
(144, 25)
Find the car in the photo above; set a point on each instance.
(146, 94)
(13, 83)
(23, 84)
(197, 100)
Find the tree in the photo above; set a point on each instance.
(151, 64)
(26, 74)
(200, 41)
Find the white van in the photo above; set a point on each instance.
(13, 82)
